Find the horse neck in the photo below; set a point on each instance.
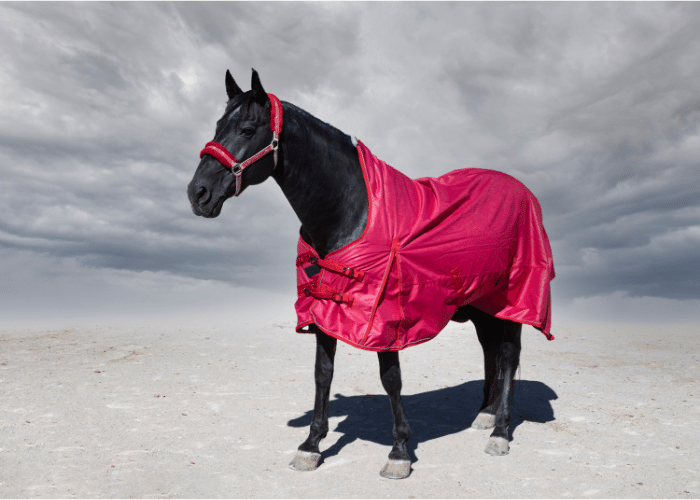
(322, 179)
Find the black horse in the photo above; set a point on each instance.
(318, 169)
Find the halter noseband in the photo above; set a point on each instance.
(229, 161)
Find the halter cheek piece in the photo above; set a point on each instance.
(229, 161)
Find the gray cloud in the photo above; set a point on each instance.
(105, 107)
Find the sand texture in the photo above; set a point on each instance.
(156, 411)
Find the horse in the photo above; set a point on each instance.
(326, 183)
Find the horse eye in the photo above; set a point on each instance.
(248, 132)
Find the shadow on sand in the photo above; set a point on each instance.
(431, 415)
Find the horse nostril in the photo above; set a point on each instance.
(202, 195)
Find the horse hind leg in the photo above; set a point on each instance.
(486, 419)
(500, 340)
(399, 464)
(507, 363)
(308, 456)
(486, 328)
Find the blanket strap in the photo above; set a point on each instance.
(331, 265)
(322, 291)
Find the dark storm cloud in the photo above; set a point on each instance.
(610, 97)
(103, 135)
(595, 106)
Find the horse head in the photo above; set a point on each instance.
(242, 139)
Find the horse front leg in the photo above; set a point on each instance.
(309, 455)
(399, 464)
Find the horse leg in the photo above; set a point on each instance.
(309, 456)
(507, 363)
(399, 464)
(486, 418)
(500, 340)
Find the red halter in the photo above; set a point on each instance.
(229, 161)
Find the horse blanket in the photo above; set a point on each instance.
(431, 245)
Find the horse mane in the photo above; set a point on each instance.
(315, 122)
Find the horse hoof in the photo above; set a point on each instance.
(484, 421)
(305, 461)
(497, 446)
(396, 469)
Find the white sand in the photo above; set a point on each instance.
(182, 411)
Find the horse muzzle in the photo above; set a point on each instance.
(201, 201)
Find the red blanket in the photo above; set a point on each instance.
(472, 236)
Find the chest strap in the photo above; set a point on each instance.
(331, 265)
(322, 291)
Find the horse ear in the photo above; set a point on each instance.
(259, 93)
(232, 88)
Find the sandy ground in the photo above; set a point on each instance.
(218, 411)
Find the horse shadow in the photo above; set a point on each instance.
(431, 414)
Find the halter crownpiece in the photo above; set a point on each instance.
(225, 157)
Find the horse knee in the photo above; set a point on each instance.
(390, 372)
(323, 375)
(325, 357)
(391, 381)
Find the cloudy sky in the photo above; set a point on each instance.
(105, 107)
